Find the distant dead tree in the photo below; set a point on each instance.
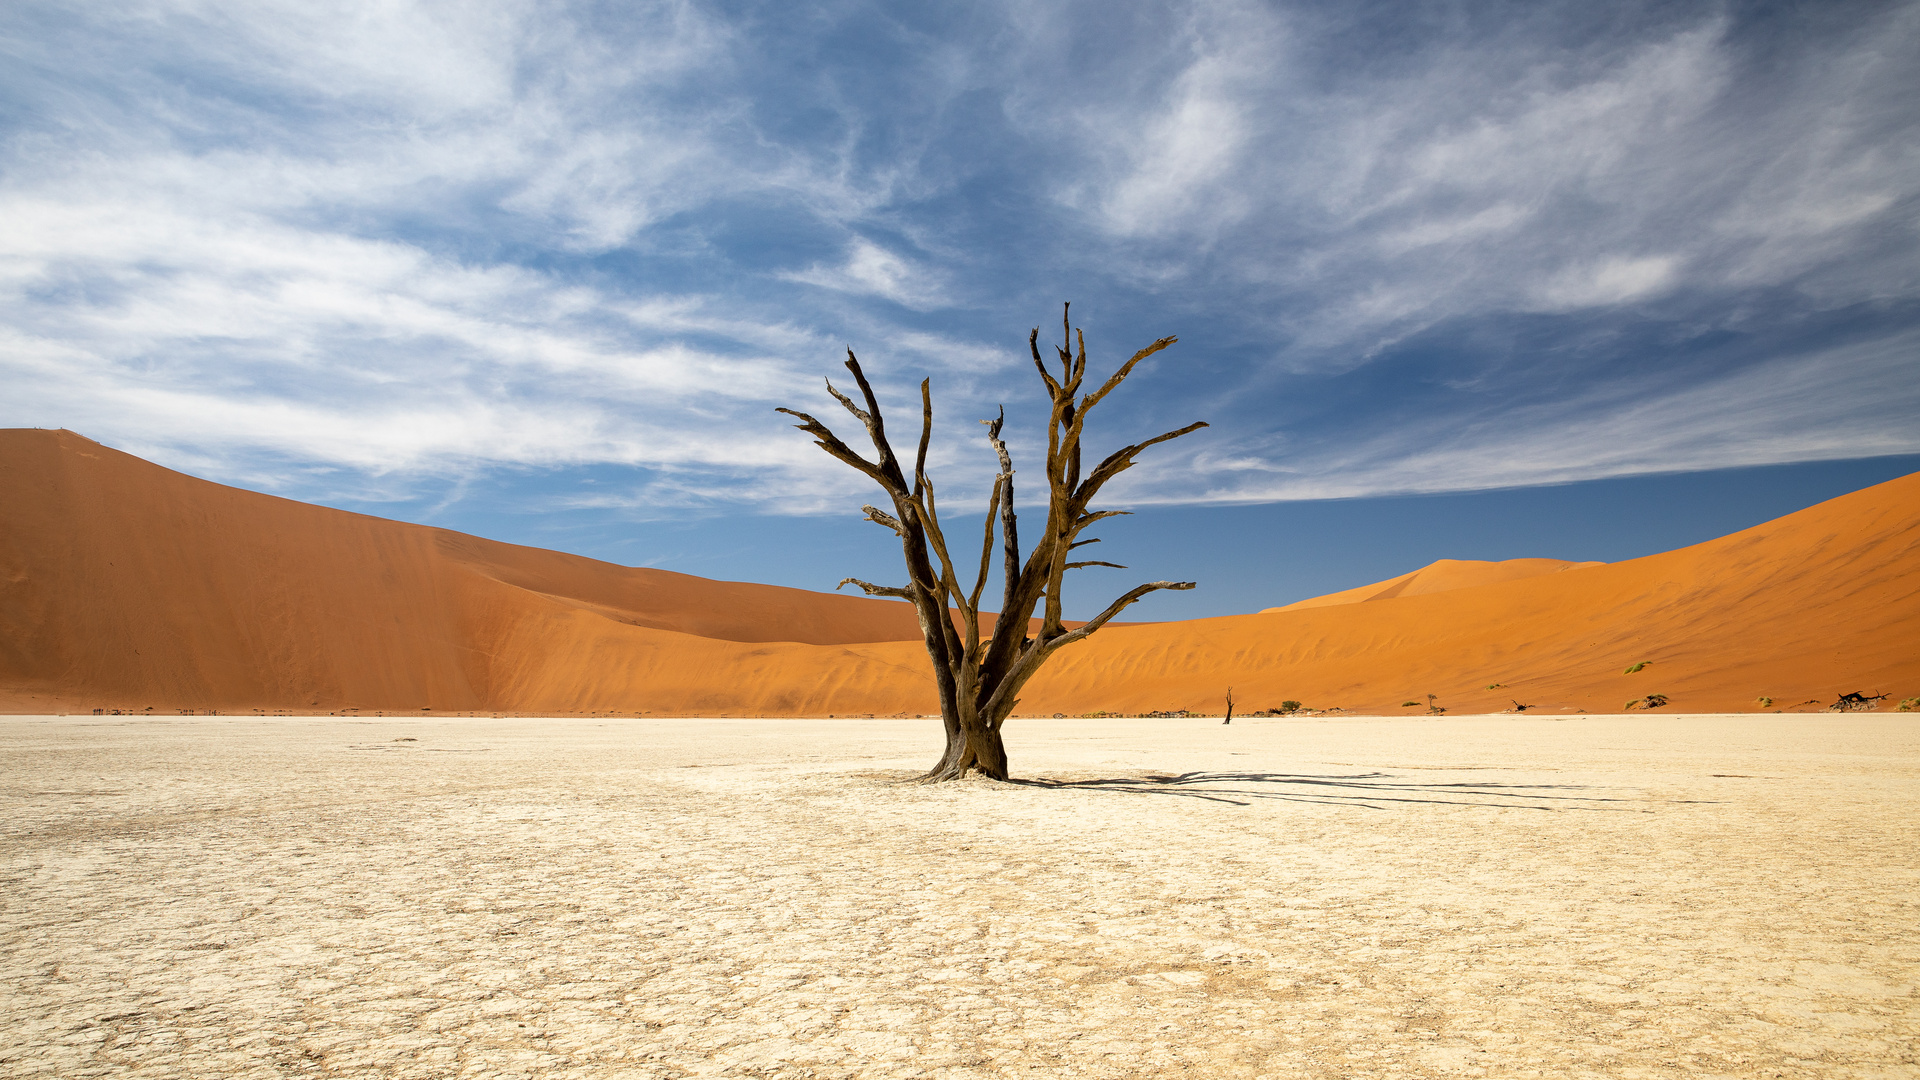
(1856, 702)
(979, 682)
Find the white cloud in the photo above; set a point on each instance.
(1848, 401)
(1611, 281)
(875, 271)
(415, 236)
(1501, 175)
(1191, 144)
(270, 255)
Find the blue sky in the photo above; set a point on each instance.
(543, 270)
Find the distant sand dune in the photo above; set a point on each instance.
(128, 586)
(1445, 575)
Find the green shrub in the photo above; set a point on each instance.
(1408, 704)
(1911, 704)
(1763, 701)
(1497, 686)
(1636, 667)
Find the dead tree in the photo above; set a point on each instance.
(979, 682)
(1856, 702)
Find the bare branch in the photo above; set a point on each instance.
(1116, 608)
(880, 517)
(1009, 521)
(947, 583)
(865, 417)
(866, 389)
(1094, 562)
(986, 547)
(1125, 369)
(876, 590)
(1066, 347)
(1122, 459)
(1084, 543)
(888, 464)
(1040, 649)
(926, 433)
(828, 441)
(1033, 346)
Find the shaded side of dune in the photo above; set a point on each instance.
(130, 585)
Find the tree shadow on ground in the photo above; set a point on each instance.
(1372, 790)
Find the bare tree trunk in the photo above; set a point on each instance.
(978, 681)
(976, 748)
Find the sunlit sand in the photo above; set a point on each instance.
(1595, 896)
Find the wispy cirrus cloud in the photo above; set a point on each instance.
(1825, 404)
(1485, 175)
(1416, 247)
(873, 270)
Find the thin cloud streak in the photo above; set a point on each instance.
(1847, 402)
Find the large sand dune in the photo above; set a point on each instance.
(137, 585)
(131, 586)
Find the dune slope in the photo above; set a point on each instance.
(1445, 575)
(126, 585)
(136, 585)
(1807, 606)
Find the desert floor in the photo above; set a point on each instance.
(1483, 896)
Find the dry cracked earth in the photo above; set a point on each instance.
(1658, 896)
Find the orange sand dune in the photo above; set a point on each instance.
(130, 583)
(1808, 606)
(130, 586)
(1443, 576)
